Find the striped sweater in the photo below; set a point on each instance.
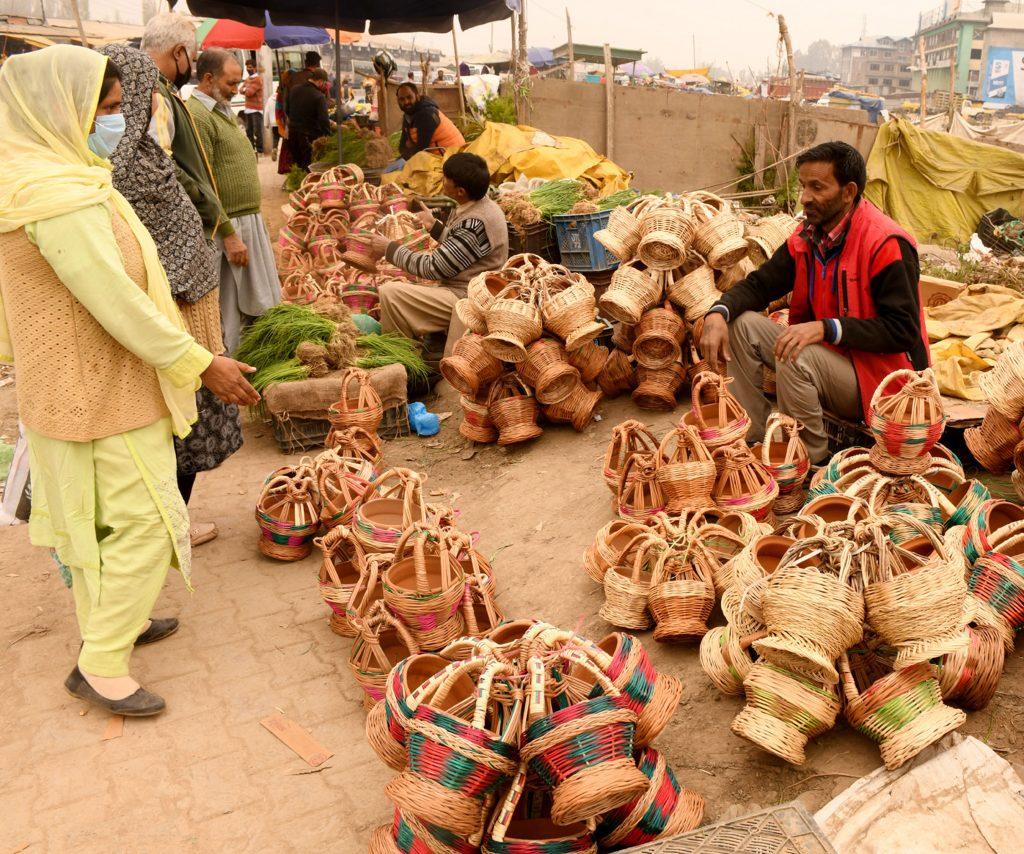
(465, 244)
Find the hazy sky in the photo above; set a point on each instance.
(739, 32)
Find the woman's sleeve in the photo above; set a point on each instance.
(84, 254)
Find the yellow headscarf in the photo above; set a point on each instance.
(48, 102)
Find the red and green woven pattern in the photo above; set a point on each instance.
(407, 841)
(999, 581)
(448, 767)
(900, 440)
(901, 710)
(639, 688)
(285, 535)
(577, 845)
(659, 813)
(585, 750)
(969, 505)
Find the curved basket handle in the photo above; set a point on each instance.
(903, 373)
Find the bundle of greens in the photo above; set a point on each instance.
(273, 337)
(615, 200)
(390, 348)
(293, 180)
(285, 371)
(557, 197)
(353, 146)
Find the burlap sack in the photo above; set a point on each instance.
(311, 398)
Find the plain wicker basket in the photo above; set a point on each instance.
(659, 336)
(632, 291)
(682, 595)
(720, 420)
(359, 405)
(514, 411)
(470, 367)
(513, 322)
(628, 582)
(694, 292)
(665, 237)
(686, 470)
(547, 371)
(628, 438)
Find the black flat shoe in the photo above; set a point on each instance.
(158, 630)
(141, 704)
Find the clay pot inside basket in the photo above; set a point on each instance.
(921, 547)
(540, 833)
(769, 551)
(385, 513)
(834, 508)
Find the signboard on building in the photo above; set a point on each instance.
(1004, 81)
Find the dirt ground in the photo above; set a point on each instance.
(255, 640)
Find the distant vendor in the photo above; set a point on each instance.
(475, 240)
(855, 313)
(424, 125)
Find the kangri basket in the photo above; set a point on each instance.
(589, 359)
(628, 438)
(477, 424)
(513, 409)
(639, 497)
(1003, 385)
(577, 408)
(694, 292)
(513, 322)
(628, 583)
(726, 658)
(719, 419)
(358, 444)
(609, 544)
(907, 422)
(359, 405)
(569, 310)
(381, 642)
(656, 389)
(288, 513)
(665, 236)
(681, 596)
(343, 564)
(617, 374)
(470, 367)
(340, 490)
(658, 337)
(993, 442)
(686, 471)
(970, 677)
(743, 483)
(394, 504)
(632, 291)
(547, 371)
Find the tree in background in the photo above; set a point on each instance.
(822, 57)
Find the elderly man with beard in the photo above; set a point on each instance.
(248, 279)
(855, 309)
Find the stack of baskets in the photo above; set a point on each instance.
(894, 594)
(678, 256)
(325, 251)
(529, 352)
(529, 739)
(998, 442)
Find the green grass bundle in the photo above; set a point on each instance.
(390, 348)
(557, 197)
(293, 180)
(615, 200)
(285, 371)
(274, 336)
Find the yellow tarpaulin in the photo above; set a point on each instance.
(956, 368)
(511, 151)
(937, 185)
(978, 308)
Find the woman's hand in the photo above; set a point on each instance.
(226, 378)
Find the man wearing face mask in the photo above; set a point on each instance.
(248, 286)
(170, 41)
(855, 312)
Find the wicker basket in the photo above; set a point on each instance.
(686, 470)
(694, 292)
(1003, 386)
(623, 335)
(656, 389)
(547, 371)
(966, 500)
(665, 809)
(343, 564)
(513, 322)
(726, 658)
(470, 367)
(970, 677)
(359, 445)
(340, 490)
(395, 503)
(811, 610)
(665, 237)
(425, 587)
(609, 544)
(752, 568)
(628, 438)
(617, 374)
(784, 711)
(907, 422)
(288, 513)
(513, 409)
(628, 582)
(477, 424)
(720, 239)
(719, 420)
(359, 405)
(569, 310)
(996, 581)
(993, 442)
(381, 642)
(583, 752)
(787, 460)
(622, 234)
(993, 521)
(638, 497)
(482, 744)
(589, 359)
(681, 595)
(658, 338)
(903, 711)
(633, 290)
(743, 483)
(577, 408)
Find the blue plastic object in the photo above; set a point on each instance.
(577, 245)
(422, 422)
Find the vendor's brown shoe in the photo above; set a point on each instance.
(158, 630)
(141, 704)
(203, 532)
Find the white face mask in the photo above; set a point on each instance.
(106, 135)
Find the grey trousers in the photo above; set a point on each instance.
(819, 378)
(419, 310)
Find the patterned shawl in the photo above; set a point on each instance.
(146, 176)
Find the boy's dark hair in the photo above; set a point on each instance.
(412, 87)
(111, 73)
(847, 163)
(470, 172)
(312, 59)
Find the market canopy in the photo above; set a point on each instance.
(595, 53)
(223, 32)
(397, 16)
(541, 57)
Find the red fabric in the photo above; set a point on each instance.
(252, 88)
(869, 249)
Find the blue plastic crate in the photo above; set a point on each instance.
(579, 249)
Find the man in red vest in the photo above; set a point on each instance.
(855, 311)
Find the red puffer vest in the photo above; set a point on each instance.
(846, 291)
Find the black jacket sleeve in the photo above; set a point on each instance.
(772, 281)
(323, 119)
(425, 123)
(897, 328)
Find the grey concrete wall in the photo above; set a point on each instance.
(675, 141)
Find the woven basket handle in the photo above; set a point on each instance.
(507, 806)
(369, 575)
(903, 373)
(846, 675)
(704, 378)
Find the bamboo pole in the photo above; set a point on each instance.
(78, 21)
(514, 65)
(609, 103)
(524, 48)
(791, 135)
(922, 60)
(458, 75)
(572, 51)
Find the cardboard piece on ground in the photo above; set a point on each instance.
(956, 796)
(297, 739)
(115, 728)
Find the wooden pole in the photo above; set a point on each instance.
(524, 48)
(572, 52)
(78, 21)
(514, 64)
(791, 136)
(609, 103)
(458, 75)
(952, 82)
(922, 61)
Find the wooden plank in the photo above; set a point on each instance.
(295, 737)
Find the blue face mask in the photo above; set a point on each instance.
(104, 139)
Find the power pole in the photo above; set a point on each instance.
(458, 76)
(922, 61)
(572, 52)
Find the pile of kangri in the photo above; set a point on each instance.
(893, 595)
(528, 739)
(679, 255)
(998, 442)
(326, 244)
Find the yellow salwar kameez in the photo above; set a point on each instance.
(109, 508)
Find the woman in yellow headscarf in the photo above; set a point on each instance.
(106, 371)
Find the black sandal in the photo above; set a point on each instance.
(141, 704)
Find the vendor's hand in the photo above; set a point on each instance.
(714, 342)
(226, 378)
(379, 244)
(236, 250)
(791, 343)
(426, 218)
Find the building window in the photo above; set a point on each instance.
(872, 81)
(976, 53)
(904, 82)
(973, 76)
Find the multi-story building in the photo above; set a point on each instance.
(880, 66)
(957, 41)
(1003, 58)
